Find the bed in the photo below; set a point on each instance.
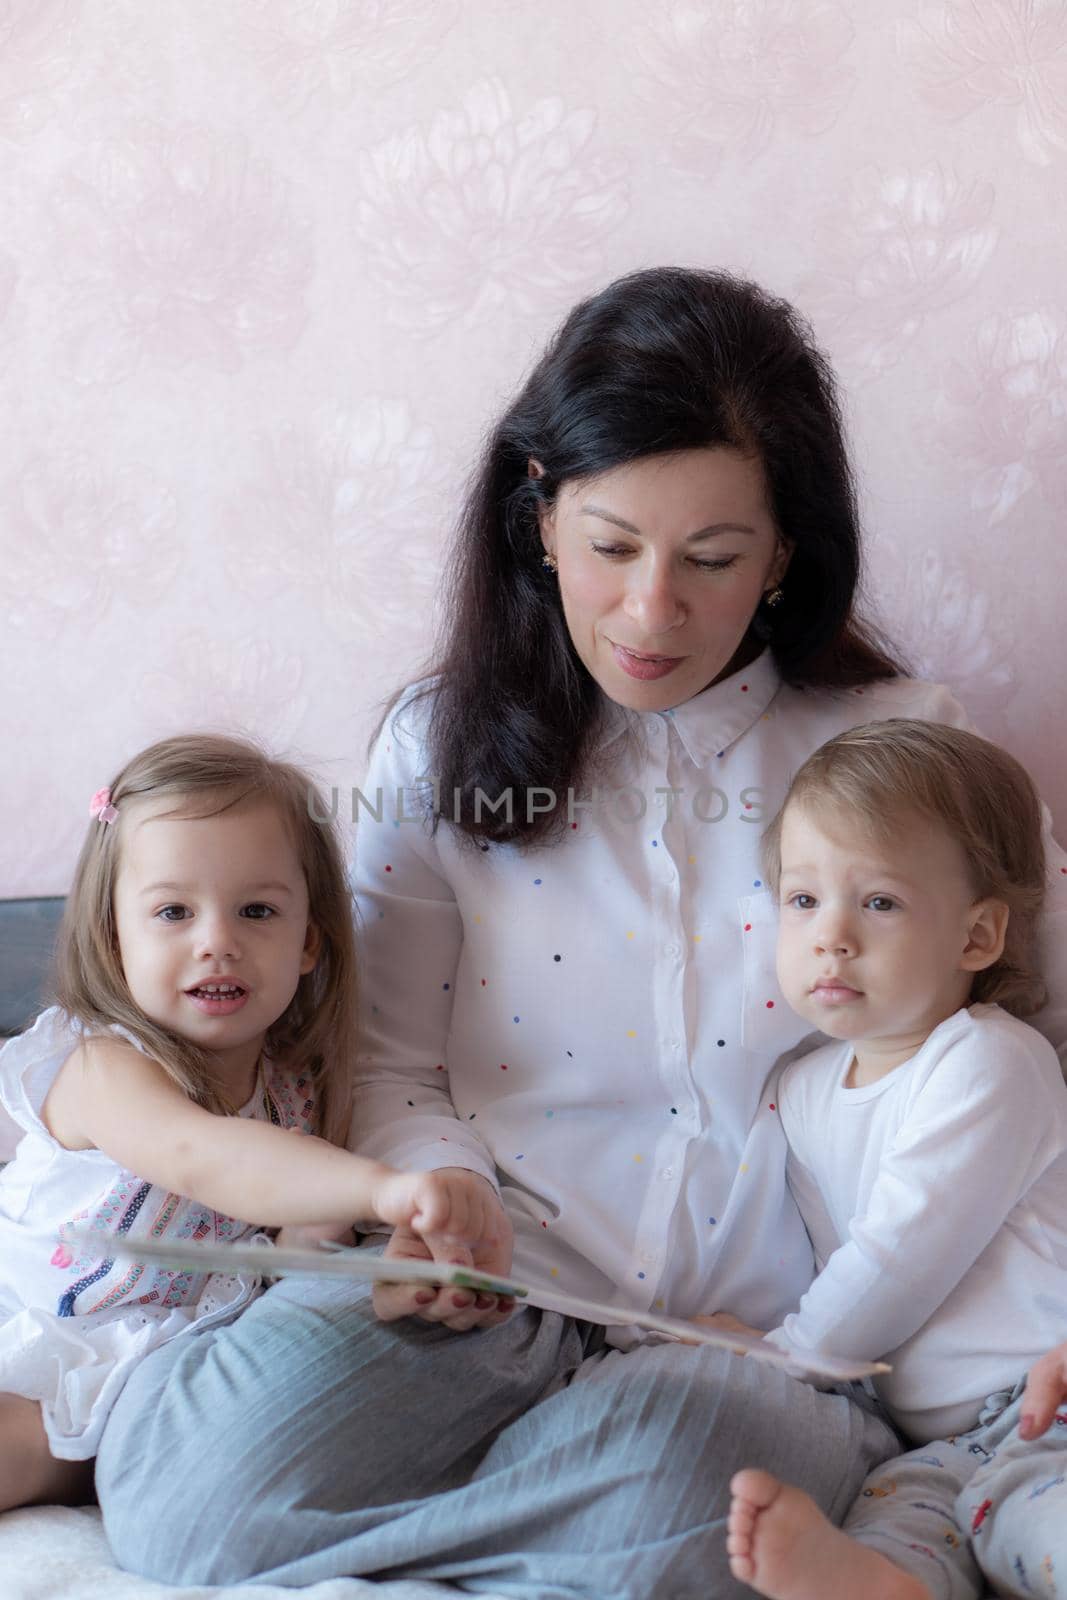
(60, 1553)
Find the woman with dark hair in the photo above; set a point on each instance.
(570, 996)
(661, 362)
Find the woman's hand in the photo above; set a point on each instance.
(722, 1322)
(1046, 1389)
(458, 1309)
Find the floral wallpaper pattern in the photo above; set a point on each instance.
(268, 270)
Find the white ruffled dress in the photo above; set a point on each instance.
(73, 1325)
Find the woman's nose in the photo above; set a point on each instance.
(652, 599)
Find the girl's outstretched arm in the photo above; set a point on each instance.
(1045, 1392)
(111, 1096)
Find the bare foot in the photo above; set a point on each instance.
(780, 1543)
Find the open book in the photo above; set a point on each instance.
(337, 1261)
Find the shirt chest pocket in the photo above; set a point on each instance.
(768, 1025)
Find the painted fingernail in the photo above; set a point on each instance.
(424, 1296)
(462, 1301)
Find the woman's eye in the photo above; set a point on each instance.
(172, 913)
(881, 902)
(256, 912)
(610, 550)
(723, 564)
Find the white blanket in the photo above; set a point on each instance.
(56, 1553)
(59, 1553)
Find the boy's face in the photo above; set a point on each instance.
(874, 940)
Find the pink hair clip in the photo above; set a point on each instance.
(101, 808)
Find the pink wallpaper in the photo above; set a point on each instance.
(268, 269)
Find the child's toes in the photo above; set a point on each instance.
(755, 1488)
(741, 1519)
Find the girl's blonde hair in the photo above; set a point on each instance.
(871, 777)
(207, 774)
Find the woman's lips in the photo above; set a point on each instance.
(645, 667)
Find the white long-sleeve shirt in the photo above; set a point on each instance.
(936, 1201)
(591, 1023)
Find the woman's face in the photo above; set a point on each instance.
(662, 564)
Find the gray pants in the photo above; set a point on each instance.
(307, 1440)
(984, 1502)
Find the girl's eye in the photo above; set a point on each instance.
(257, 912)
(801, 901)
(881, 902)
(172, 913)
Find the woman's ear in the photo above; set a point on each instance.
(312, 948)
(986, 931)
(545, 519)
(783, 556)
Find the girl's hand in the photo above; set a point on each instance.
(307, 1235)
(453, 1204)
(458, 1309)
(1046, 1389)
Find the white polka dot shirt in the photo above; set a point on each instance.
(591, 1023)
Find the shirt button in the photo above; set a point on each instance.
(674, 951)
(668, 1172)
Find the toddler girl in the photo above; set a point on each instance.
(206, 990)
(928, 1156)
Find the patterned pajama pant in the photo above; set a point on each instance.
(983, 1509)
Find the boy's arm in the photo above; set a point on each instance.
(980, 1132)
(122, 1102)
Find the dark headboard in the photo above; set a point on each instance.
(27, 938)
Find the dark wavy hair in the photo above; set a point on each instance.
(663, 360)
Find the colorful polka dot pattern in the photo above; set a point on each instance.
(630, 958)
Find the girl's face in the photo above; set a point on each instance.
(213, 925)
(662, 564)
(877, 943)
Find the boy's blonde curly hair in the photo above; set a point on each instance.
(874, 776)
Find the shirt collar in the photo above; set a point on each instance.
(712, 720)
